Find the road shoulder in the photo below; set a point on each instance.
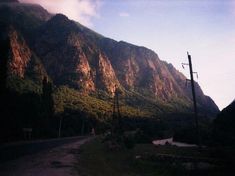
(58, 161)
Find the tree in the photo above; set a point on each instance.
(47, 98)
(5, 49)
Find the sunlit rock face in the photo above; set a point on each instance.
(139, 68)
(20, 54)
(73, 55)
(105, 76)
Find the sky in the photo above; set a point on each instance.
(204, 28)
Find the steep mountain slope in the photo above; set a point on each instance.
(73, 55)
(73, 58)
(18, 22)
(24, 17)
(224, 126)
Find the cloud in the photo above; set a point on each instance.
(82, 11)
(124, 14)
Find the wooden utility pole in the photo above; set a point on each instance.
(194, 98)
(60, 125)
(116, 111)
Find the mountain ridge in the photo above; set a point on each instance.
(71, 54)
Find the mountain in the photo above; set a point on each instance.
(9, 1)
(69, 54)
(224, 126)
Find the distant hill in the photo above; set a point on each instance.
(224, 129)
(76, 58)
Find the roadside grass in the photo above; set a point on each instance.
(95, 159)
(168, 150)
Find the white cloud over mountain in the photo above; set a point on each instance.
(79, 10)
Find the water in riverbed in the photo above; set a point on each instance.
(171, 142)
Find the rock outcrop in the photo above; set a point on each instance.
(20, 54)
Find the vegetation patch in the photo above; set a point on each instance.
(95, 159)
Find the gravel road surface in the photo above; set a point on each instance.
(56, 161)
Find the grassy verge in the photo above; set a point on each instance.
(96, 160)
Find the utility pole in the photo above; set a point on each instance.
(194, 97)
(60, 125)
(116, 110)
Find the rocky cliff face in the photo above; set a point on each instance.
(71, 54)
(139, 68)
(20, 54)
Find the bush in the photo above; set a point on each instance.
(129, 142)
(141, 137)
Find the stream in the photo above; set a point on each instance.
(171, 142)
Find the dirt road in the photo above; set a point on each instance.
(58, 161)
